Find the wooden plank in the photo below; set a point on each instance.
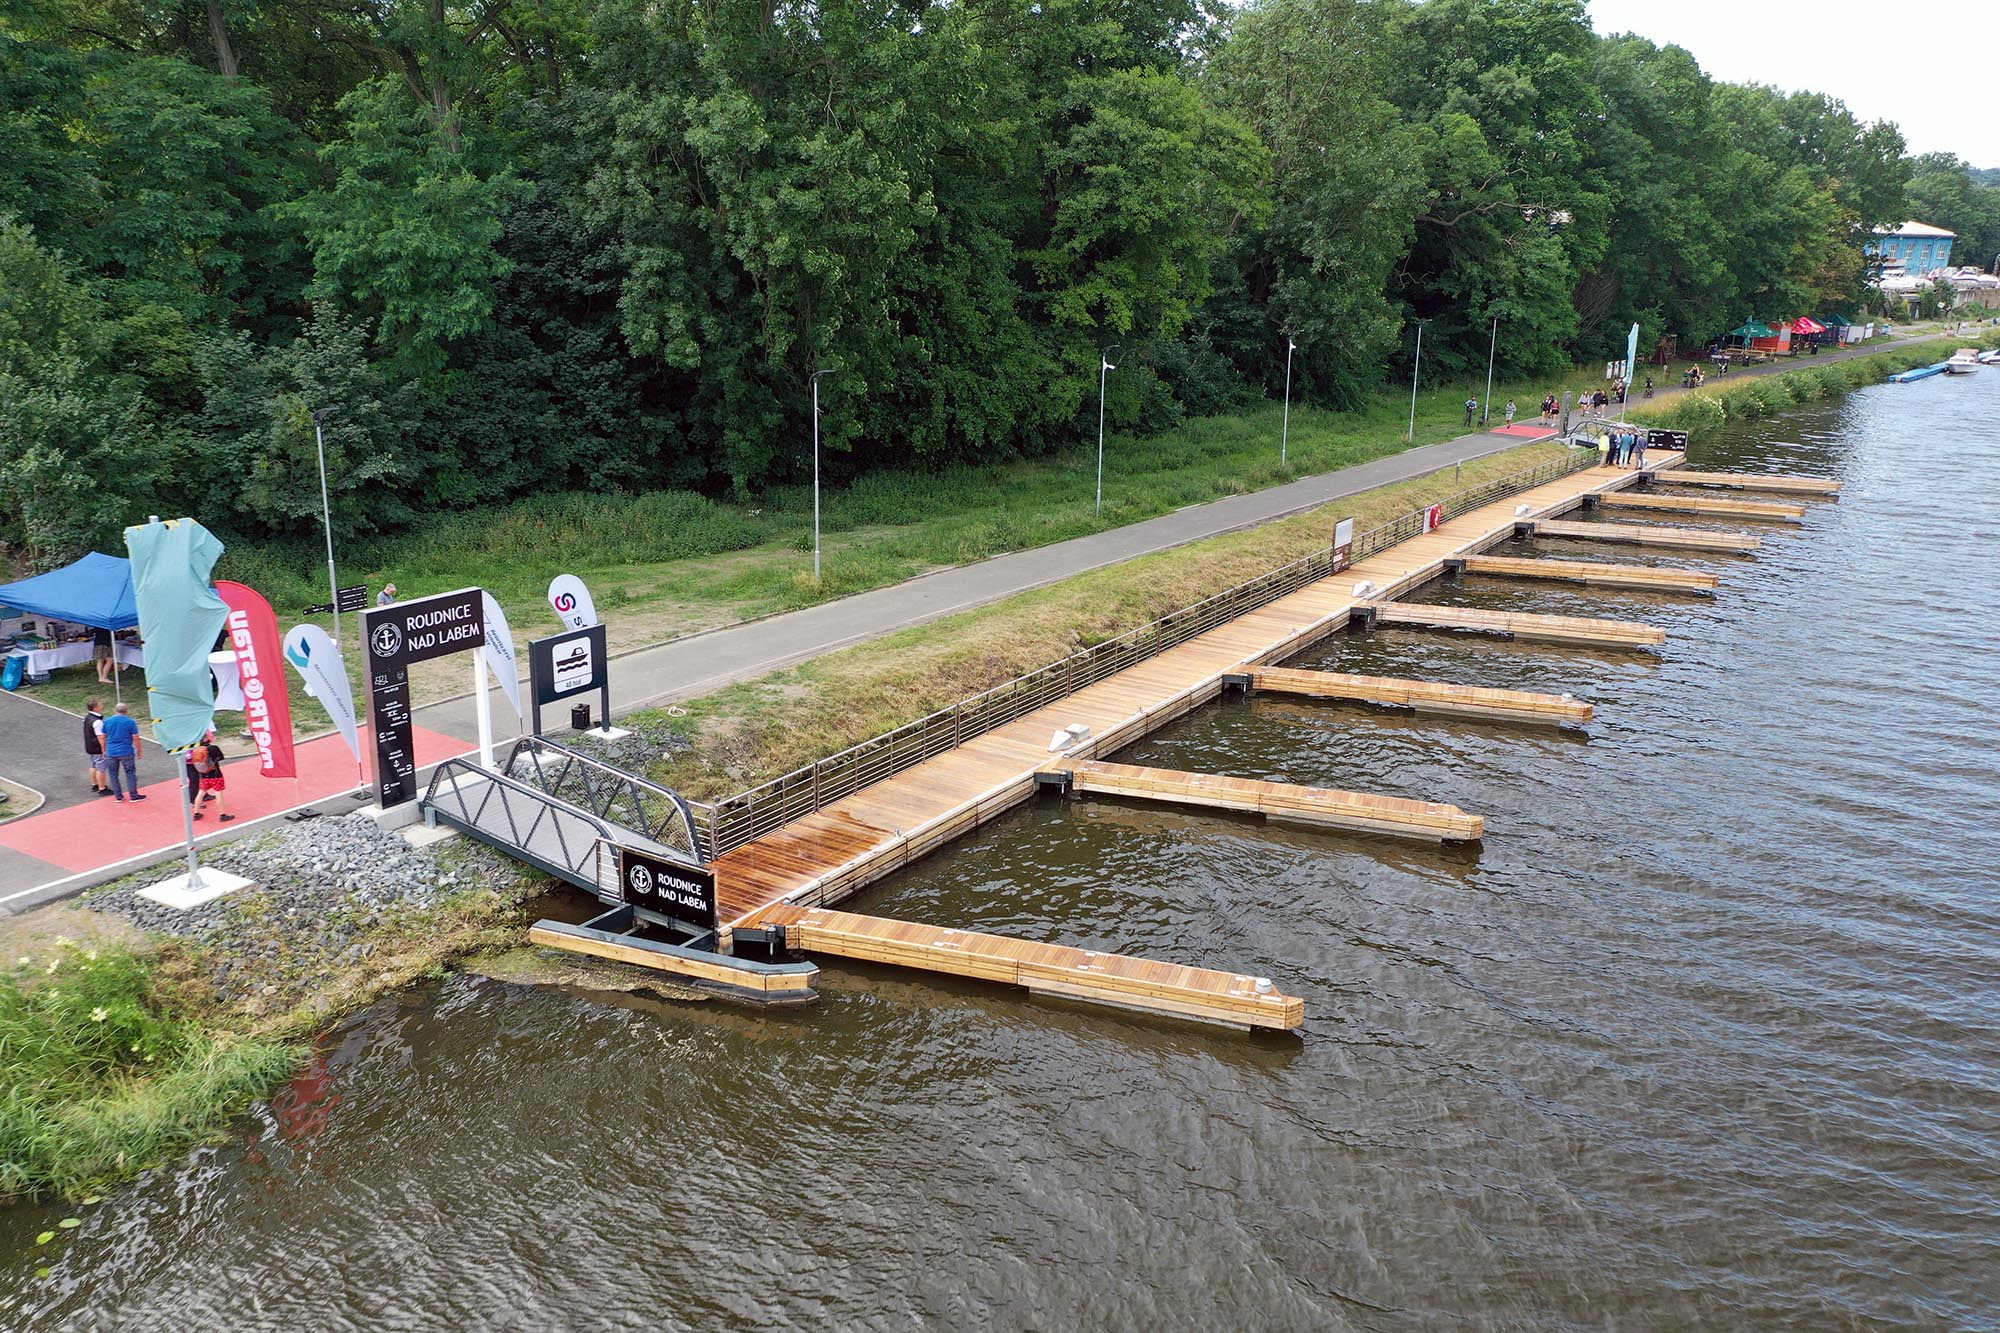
(1424, 695)
(789, 982)
(1749, 481)
(1360, 812)
(1100, 978)
(1775, 510)
(1522, 625)
(1649, 578)
(1685, 539)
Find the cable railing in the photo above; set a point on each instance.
(751, 814)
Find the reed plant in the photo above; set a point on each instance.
(99, 1078)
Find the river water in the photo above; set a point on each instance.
(1703, 1035)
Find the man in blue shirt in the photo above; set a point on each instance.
(122, 748)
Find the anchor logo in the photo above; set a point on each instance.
(641, 880)
(387, 640)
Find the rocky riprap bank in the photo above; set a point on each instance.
(326, 887)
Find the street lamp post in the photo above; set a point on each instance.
(1285, 431)
(815, 394)
(1415, 366)
(326, 513)
(1493, 345)
(1104, 368)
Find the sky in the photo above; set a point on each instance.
(1929, 77)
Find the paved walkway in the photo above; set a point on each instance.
(45, 742)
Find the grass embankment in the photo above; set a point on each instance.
(1753, 396)
(120, 1049)
(755, 730)
(665, 564)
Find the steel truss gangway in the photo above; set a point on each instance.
(623, 839)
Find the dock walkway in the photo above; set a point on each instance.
(825, 856)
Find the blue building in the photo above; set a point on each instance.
(1918, 247)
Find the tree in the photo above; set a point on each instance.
(407, 230)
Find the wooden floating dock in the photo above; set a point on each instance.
(1747, 481)
(770, 984)
(1683, 539)
(1777, 511)
(1425, 696)
(1359, 812)
(1198, 993)
(1648, 578)
(1576, 630)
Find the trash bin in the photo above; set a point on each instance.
(579, 718)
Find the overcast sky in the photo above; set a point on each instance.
(1924, 70)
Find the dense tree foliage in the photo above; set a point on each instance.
(527, 245)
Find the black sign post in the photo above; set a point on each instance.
(397, 636)
(1667, 439)
(683, 893)
(564, 666)
(354, 597)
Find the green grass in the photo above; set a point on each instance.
(100, 1080)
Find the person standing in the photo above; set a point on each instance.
(1510, 411)
(1637, 452)
(101, 651)
(387, 596)
(205, 764)
(1471, 406)
(122, 748)
(93, 746)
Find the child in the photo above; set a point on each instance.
(206, 762)
(1510, 411)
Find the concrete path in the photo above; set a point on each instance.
(681, 668)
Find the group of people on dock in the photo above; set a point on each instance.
(1625, 446)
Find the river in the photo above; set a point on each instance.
(1702, 1035)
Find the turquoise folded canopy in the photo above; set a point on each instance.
(179, 619)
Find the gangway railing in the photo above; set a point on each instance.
(615, 795)
(525, 822)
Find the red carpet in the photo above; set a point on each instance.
(104, 832)
(1532, 430)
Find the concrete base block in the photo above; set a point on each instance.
(606, 733)
(418, 836)
(175, 892)
(397, 817)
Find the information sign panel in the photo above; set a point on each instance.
(396, 637)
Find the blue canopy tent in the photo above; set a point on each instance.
(95, 591)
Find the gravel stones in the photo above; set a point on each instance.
(321, 885)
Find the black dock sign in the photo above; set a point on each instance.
(397, 636)
(563, 666)
(673, 889)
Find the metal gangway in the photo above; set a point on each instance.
(563, 812)
(573, 816)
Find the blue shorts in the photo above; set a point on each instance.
(99, 764)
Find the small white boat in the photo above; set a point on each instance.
(1965, 361)
(1991, 358)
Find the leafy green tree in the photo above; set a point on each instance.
(406, 233)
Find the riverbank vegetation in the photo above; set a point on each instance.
(531, 252)
(120, 1047)
(1755, 396)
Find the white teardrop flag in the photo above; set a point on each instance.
(572, 601)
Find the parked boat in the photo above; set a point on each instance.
(1991, 358)
(1965, 361)
(1920, 373)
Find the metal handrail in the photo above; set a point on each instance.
(608, 791)
(748, 815)
(557, 836)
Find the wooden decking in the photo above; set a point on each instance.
(1637, 534)
(1777, 511)
(825, 856)
(1045, 969)
(1425, 696)
(1358, 812)
(1580, 631)
(1647, 578)
(1751, 481)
